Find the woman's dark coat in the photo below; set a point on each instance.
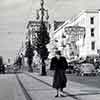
(59, 65)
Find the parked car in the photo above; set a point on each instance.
(10, 69)
(2, 67)
(87, 69)
(98, 71)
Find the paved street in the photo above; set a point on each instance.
(9, 88)
(40, 87)
(92, 81)
(75, 91)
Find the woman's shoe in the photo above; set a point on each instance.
(56, 96)
(62, 94)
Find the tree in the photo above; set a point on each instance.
(29, 54)
(42, 41)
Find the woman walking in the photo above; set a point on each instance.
(59, 64)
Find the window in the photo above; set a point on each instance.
(91, 20)
(93, 45)
(92, 32)
(72, 53)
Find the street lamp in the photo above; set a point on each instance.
(43, 36)
(43, 12)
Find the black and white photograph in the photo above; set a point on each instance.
(49, 49)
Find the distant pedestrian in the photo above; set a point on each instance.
(30, 61)
(19, 62)
(59, 65)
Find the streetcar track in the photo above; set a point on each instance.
(67, 93)
(26, 94)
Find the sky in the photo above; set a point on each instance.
(15, 14)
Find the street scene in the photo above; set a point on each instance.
(49, 50)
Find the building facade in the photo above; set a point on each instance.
(87, 40)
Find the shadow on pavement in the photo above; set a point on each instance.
(81, 94)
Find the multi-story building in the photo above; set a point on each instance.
(87, 43)
(33, 29)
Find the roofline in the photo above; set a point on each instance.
(92, 11)
(77, 16)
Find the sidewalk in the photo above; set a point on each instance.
(74, 90)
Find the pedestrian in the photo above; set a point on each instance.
(19, 62)
(59, 65)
